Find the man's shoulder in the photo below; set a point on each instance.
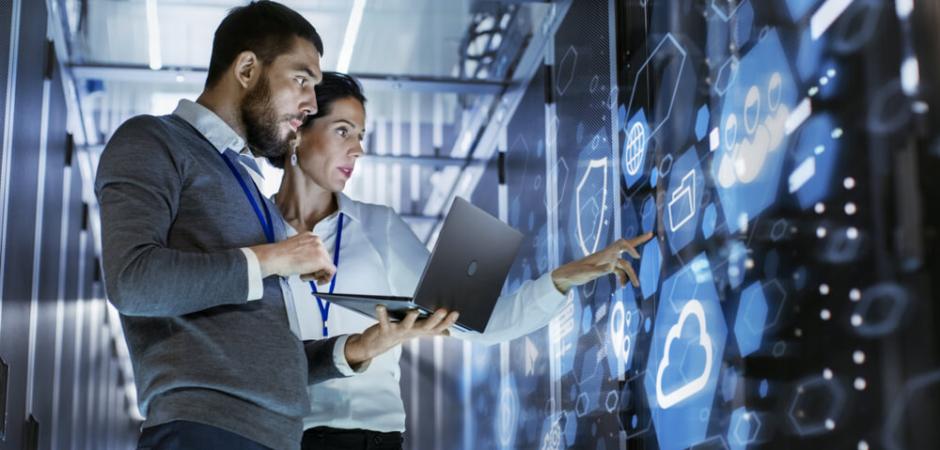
(145, 132)
(149, 125)
(155, 141)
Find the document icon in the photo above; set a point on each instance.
(682, 203)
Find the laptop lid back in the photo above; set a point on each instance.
(469, 265)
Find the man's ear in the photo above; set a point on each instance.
(247, 69)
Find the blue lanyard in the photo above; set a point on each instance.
(265, 218)
(325, 305)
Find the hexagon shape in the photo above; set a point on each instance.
(743, 24)
(744, 428)
(816, 406)
(747, 167)
(683, 200)
(709, 220)
(726, 75)
(648, 214)
(701, 122)
(668, 48)
(553, 437)
(816, 148)
(809, 55)
(680, 407)
(566, 68)
(726, 8)
(776, 297)
(636, 137)
(650, 266)
(881, 308)
(752, 315)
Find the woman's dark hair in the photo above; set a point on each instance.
(264, 27)
(335, 86)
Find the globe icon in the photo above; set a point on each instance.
(635, 148)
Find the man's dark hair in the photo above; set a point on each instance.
(264, 27)
(335, 86)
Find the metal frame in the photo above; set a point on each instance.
(370, 81)
(483, 133)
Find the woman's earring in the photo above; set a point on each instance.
(293, 158)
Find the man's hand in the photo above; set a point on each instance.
(302, 254)
(601, 263)
(385, 335)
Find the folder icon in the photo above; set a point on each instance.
(682, 203)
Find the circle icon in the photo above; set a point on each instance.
(635, 148)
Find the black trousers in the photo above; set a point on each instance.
(326, 438)
(183, 435)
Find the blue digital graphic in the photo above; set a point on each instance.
(648, 214)
(623, 324)
(743, 430)
(724, 130)
(708, 221)
(809, 55)
(635, 147)
(629, 222)
(737, 263)
(507, 419)
(701, 122)
(665, 61)
(566, 338)
(683, 200)
(750, 321)
(753, 130)
(591, 209)
(729, 384)
(798, 9)
(650, 265)
(815, 155)
(743, 24)
(685, 356)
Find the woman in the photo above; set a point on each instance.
(379, 254)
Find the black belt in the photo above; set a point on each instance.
(367, 439)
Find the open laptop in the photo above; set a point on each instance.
(465, 273)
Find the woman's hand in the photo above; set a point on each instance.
(385, 335)
(596, 265)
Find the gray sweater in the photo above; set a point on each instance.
(173, 219)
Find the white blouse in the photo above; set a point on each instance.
(380, 255)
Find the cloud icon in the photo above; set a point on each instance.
(745, 157)
(666, 400)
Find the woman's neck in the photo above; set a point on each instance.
(302, 202)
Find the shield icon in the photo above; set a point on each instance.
(591, 205)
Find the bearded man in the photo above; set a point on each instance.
(193, 253)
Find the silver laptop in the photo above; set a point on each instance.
(465, 273)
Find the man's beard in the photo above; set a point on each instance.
(261, 122)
